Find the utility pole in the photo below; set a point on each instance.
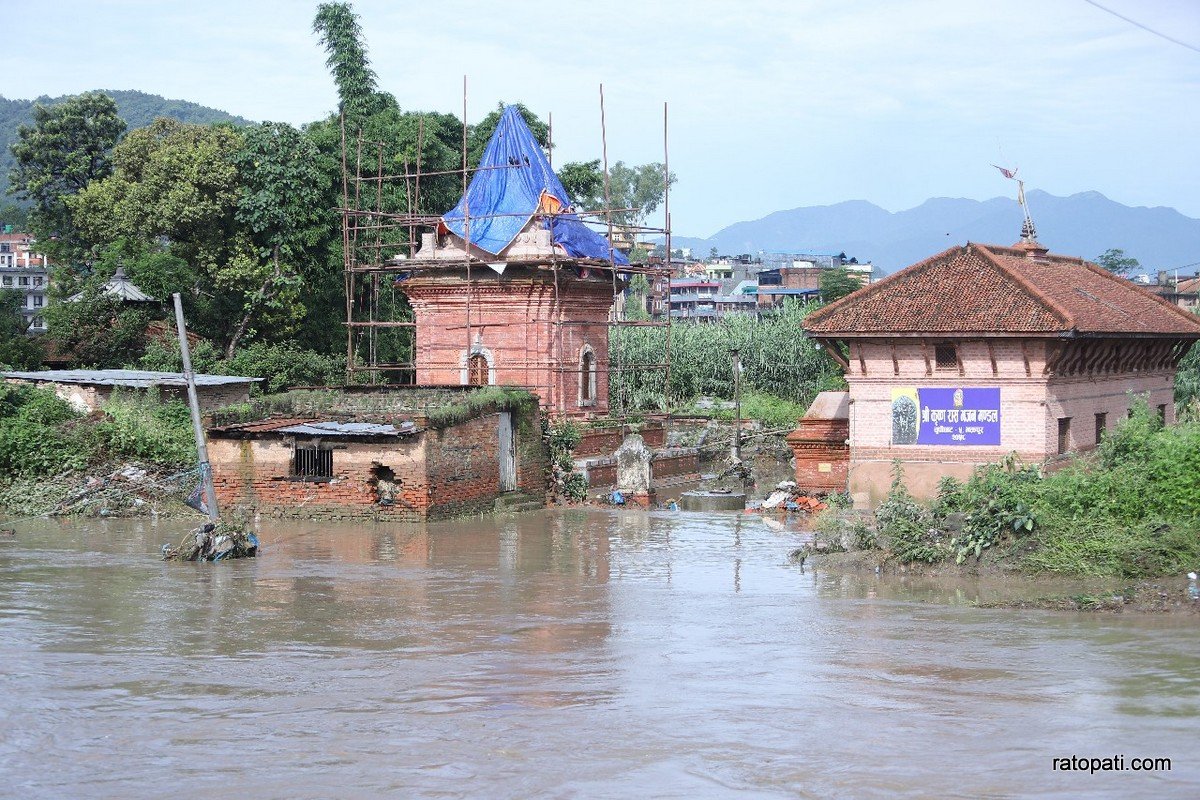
(737, 405)
(210, 493)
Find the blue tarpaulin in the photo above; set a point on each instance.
(514, 183)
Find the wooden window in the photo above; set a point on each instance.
(477, 370)
(946, 356)
(1064, 434)
(1101, 426)
(312, 462)
(587, 383)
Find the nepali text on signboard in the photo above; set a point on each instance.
(964, 416)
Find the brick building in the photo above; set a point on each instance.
(981, 351)
(513, 288)
(398, 469)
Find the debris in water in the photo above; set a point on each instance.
(214, 542)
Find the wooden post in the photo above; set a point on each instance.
(737, 406)
(210, 491)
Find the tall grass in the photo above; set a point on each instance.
(776, 356)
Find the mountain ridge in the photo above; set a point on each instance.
(1082, 224)
(137, 108)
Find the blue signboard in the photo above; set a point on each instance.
(963, 416)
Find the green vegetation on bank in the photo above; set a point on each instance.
(42, 437)
(1130, 510)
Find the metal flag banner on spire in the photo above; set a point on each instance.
(1028, 232)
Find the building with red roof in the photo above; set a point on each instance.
(981, 351)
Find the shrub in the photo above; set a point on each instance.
(285, 365)
(905, 527)
(140, 427)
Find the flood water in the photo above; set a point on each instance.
(557, 654)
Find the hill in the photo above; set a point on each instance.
(1084, 224)
(138, 109)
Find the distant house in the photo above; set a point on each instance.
(25, 270)
(87, 390)
(981, 351)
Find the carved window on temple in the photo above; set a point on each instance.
(477, 370)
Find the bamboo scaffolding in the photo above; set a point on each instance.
(378, 243)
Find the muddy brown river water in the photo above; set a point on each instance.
(558, 654)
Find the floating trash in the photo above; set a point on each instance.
(214, 542)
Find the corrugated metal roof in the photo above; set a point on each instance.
(349, 429)
(129, 378)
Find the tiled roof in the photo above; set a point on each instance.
(1188, 286)
(1004, 290)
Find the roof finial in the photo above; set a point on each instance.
(1028, 231)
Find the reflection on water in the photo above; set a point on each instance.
(563, 654)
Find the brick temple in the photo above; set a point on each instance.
(513, 288)
(983, 351)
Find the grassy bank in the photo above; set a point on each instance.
(1129, 510)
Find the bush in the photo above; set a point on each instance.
(906, 527)
(139, 427)
(285, 365)
(33, 440)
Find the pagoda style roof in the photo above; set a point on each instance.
(120, 287)
(1014, 291)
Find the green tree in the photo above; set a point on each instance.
(836, 283)
(341, 36)
(171, 181)
(584, 182)
(637, 190)
(17, 350)
(67, 148)
(279, 209)
(1115, 261)
(15, 217)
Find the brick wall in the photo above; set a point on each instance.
(1031, 404)
(673, 463)
(604, 441)
(439, 473)
(533, 334)
(255, 473)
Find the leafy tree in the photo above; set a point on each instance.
(584, 182)
(65, 150)
(640, 189)
(341, 36)
(279, 208)
(836, 283)
(1115, 261)
(17, 350)
(171, 181)
(15, 216)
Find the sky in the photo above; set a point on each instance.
(772, 104)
